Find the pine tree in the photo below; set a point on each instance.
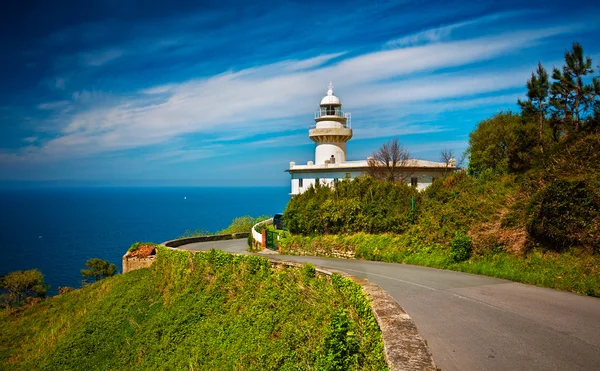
(538, 88)
(571, 97)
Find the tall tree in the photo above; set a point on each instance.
(538, 88)
(571, 97)
(390, 162)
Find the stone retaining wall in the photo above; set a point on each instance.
(132, 263)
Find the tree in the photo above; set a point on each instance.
(538, 88)
(502, 144)
(22, 284)
(571, 97)
(389, 162)
(448, 157)
(99, 269)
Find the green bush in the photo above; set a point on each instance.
(461, 247)
(242, 224)
(567, 213)
(361, 205)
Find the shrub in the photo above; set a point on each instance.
(136, 245)
(308, 271)
(566, 213)
(361, 205)
(460, 247)
(242, 224)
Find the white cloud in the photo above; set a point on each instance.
(251, 101)
(30, 139)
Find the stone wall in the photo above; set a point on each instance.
(133, 263)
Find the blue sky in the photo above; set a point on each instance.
(222, 93)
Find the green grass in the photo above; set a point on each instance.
(576, 270)
(203, 311)
(238, 225)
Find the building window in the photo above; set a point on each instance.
(414, 181)
(300, 182)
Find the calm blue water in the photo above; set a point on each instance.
(58, 229)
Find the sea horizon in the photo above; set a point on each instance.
(56, 229)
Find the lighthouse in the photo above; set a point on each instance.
(331, 131)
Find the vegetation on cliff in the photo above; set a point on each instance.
(209, 311)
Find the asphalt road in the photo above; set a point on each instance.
(473, 322)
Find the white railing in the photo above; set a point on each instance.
(257, 235)
(329, 113)
(347, 116)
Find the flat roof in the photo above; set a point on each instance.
(363, 164)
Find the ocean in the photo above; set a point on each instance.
(56, 230)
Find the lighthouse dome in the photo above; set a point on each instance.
(330, 98)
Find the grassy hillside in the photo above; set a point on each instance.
(540, 226)
(203, 311)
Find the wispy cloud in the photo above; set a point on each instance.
(240, 101)
(443, 33)
(101, 57)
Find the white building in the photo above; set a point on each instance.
(331, 131)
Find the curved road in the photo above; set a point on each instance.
(473, 322)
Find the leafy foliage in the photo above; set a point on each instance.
(98, 269)
(503, 144)
(461, 247)
(566, 213)
(208, 311)
(20, 285)
(363, 204)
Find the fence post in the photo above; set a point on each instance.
(264, 238)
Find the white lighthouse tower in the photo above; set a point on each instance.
(331, 131)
